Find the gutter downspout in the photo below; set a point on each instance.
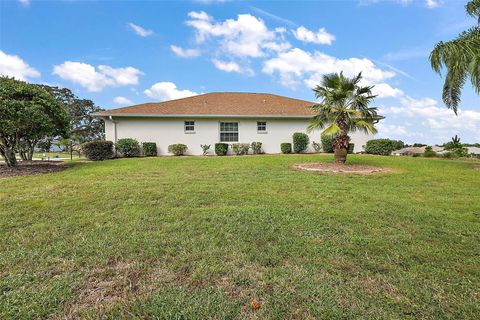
(114, 133)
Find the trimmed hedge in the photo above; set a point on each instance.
(128, 147)
(256, 147)
(178, 149)
(286, 147)
(221, 149)
(98, 150)
(240, 149)
(327, 144)
(382, 147)
(149, 149)
(300, 142)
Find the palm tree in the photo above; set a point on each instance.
(343, 109)
(461, 58)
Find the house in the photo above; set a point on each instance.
(228, 117)
(410, 151)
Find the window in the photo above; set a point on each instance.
(189, 126)
(228, 131)
(261, 126)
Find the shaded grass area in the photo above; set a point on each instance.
(200, 238)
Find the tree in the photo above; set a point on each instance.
(461, 58)
(456, 147)
(27, 115)
(344, 108)
(83, 126)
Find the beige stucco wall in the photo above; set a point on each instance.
(167, 131)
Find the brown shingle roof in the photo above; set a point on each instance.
(220, 103)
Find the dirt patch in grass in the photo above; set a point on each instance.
(105, 286)
(328, 167)
(31, 168)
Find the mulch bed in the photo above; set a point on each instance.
(31, 168)
(324, 167)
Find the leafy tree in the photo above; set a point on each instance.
(344, 108)
(27, 115)
(45, 144)
(461, 58)
(83, 126)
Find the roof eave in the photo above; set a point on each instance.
(154, 115)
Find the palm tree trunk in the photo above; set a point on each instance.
(340, 143)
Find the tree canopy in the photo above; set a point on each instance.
(28, 114)
(83, 126)
(461, 58)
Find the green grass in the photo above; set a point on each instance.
(65, 155)
(201, 237)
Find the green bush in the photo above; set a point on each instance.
(316, 146)
(221, 149)
(128, 147)
(448, 155)
(240, 149)
(300, 142)
(149, 149)
(382, 147)
(286, 147)
(256, 147)
(178, 149)
(205, 148)
(429, 153)
(327, 144)
(98, 150)
(351, 146)
(398, 144)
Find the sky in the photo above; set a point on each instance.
(120, 53)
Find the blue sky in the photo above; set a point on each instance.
(119, 53)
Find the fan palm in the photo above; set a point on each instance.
(461, 58)
(344, 108)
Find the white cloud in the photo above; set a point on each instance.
(297, 64)
(94, 79)
(122, 100)
(437, 123)
(431, 4)
(321, 37)
(24, 3)
(167, 91)
(227, 66)
(139, 30)
(185, 53)
(14, 66)
(384, 90)
(247, 36)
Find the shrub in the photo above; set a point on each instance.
(351, 146)
(429, 153)
(128, 147)
(149, 149)
(327, 144)
(98, 150)
(398, 144)
(178, 149)
(286, 147)
(448, 155)
(205, 148)
(256, 147)
(416, 155)
(300, 142)
(382, 147)
(316, 146)
(221, 149)
(240, 149)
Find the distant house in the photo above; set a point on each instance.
(410, 151)
(228, 117)
(473, 151)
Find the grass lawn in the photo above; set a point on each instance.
(201, 238)
(53, 155)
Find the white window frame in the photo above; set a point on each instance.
(185, 125)
(262, 131)
(220, 131)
